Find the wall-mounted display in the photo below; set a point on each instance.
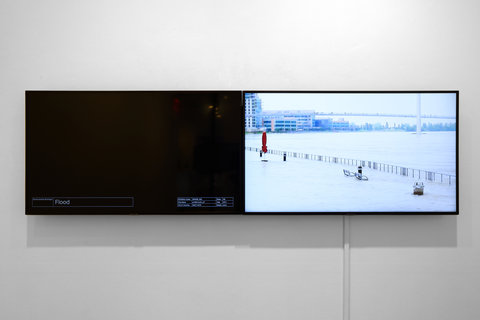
(234, 152)
(133, 152)
(351, 152)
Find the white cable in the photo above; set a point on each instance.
(346, 267)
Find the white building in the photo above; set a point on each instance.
(282, 119)
(253, 109)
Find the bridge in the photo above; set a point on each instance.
(426, 116)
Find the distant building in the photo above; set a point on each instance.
(253, 110)
(277, 120)
(280, 125)
(323, 124)
(340, 124)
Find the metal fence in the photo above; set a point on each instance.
(389, 168)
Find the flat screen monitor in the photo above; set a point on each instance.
(351, 152)
(234, 152)
(134, 152)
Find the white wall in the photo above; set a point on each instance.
(167, 267)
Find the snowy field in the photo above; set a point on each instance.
(431, 151)
(300, 185)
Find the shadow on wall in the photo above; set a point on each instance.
(249, 231)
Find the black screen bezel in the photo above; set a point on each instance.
(242, 160)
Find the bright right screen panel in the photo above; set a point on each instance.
(351, 152)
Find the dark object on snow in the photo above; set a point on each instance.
(357, 175)
(264, 142)
(418, 188)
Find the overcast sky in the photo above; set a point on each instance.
(441, 104)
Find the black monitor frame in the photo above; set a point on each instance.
(242, 158)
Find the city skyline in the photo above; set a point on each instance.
(438, 104)
(314, 111)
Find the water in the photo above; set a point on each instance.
(392, 121)
(431, 151)
(299, 185)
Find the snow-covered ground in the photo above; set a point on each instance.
(300, 185)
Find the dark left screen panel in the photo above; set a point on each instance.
(129, 152)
